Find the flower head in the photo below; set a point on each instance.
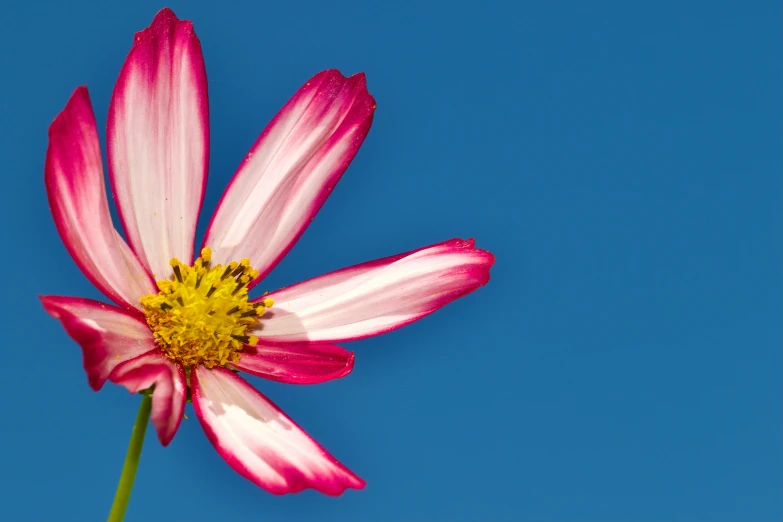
(184, 326)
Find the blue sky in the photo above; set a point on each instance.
(622, 161)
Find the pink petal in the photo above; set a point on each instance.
(77, 197)
(290, 171)
(375, 297)
(259, 441)
(108, 335)
(158, 137)
(168, 399)
(297, 364)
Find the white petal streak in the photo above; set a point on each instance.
(259, 441)
(291, 170)
(77, 197)
(375, 297)
(158, 136)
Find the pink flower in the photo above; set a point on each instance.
(191, 327)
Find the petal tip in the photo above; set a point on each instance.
(79, 99)
(163, 20)
(358, 483)
(335, 78)
(349, 364)
(165, 438)
(50, 305)
(165, 14)
(80, 90)
(470, 244)
(364, 97)
(360, 78)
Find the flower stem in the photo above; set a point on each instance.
(125, 486)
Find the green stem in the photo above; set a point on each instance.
(125, 486)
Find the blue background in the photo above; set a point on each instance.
(622, 161)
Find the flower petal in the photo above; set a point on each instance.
(259, 441)
(108, 335)
(290, 171)
(297, 364)
(375, 297)
(168, 399)
(77, 197)
(158, 136)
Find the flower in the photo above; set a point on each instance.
(188, 329)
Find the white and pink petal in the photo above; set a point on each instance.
(158, 142)
(375, 297)
(296, 364)
(107, 335)
(290, 171)
(77, 197)
(170, 392)
(259, 441)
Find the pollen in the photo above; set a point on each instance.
(201, 315)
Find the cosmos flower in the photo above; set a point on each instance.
(187, 329)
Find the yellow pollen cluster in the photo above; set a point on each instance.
(201, 315)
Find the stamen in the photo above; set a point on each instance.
(231, 266)
(204, 328)
(247, 339)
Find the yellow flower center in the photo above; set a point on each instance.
(201, 315)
